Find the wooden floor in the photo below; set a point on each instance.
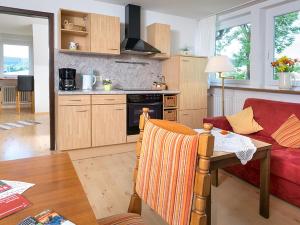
(27, 141)
(107, 180)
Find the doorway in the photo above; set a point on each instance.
(27, 83)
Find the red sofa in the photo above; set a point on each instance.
(285, 162)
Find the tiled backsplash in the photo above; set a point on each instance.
(140, 74)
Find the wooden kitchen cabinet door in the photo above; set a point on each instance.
(159, 36)
(74, 127)
(193, 83)
(192, 118)
(108, 124)
(105, 34)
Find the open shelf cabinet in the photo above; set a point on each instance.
(74, 26)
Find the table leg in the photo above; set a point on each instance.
(215, 178)
(264, 202)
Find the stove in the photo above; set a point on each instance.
(135, 105)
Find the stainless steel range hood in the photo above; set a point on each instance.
(133, 44)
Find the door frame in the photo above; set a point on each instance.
(50, 17)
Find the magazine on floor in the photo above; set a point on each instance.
(49, 217)
(4, 186)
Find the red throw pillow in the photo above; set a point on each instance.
(288, 134)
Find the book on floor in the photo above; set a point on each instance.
(12, 204)
(4, 186)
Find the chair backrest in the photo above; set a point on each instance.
(172, 171)
(25, 83)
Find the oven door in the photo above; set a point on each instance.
(134, 110)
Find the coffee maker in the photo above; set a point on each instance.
(67, 78)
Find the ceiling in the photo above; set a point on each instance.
(187, 8)
(21, 25)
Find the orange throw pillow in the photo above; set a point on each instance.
(243, 122)
(288, 134)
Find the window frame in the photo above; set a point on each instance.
(231, 22)
(8, 39)
(270, 34)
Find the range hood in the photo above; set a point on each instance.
(133, 44)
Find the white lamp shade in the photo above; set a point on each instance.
(219, 63)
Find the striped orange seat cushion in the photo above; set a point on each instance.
(166, 173)
(288, 134)
(122, 219)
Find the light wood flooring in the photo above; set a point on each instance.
(27, 141)
(107, 179)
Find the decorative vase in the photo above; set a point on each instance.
(285, 80)
(107, 87)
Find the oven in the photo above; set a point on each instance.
(135, 105)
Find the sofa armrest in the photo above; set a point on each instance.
(219, 122)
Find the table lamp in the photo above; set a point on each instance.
(220, 64)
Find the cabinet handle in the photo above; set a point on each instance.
(113, 49)
(185, 60)
(186, 114)
(82, 111)
(109, 99)
(75, 100)
(119, 109)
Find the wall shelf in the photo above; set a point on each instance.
(67, 35)
(75, 32)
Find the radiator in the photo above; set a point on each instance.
(233, 103)
(9, 96)
(234, 100)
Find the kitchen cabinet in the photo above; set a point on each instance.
(193, 83)
(159, 36)
(108, 99)
(74, 127)
(93, 33)
(74, 26)
(108, 124)
(192, 118)
(85, 121)
(186, 74)
(105, 34)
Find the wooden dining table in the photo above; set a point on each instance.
(57, 188)
(221, 160)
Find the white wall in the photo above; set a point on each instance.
(41, 67)
(183, 29)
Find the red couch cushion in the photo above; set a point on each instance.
(271, 114)
(285, 164)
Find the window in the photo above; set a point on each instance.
(16, 59)
(234, 42)
(287, 38)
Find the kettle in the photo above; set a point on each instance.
(88, 81)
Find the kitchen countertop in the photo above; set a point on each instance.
(114, 92)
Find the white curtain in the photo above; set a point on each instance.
(205, 41)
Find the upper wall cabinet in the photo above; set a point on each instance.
(74, 27)
(89, 33)
(105, 34)
(159, 36)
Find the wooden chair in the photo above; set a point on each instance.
(171, 174)
(25, 83)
